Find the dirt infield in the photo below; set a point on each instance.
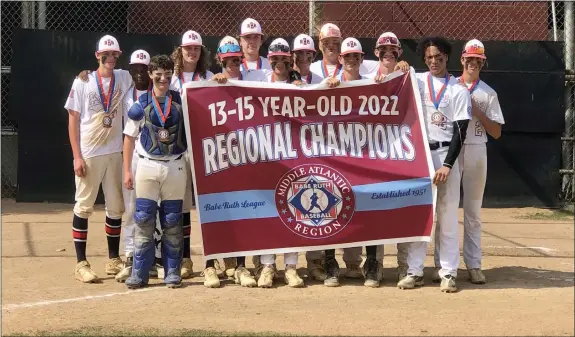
(528, 261)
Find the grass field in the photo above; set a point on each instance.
(528, 261)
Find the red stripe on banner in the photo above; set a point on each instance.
(79, 235)
(247, 235)
(113, 231)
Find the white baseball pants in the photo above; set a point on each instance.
(473, 168)
(130, 207)
(447, 226)
(289, 258)
(157, 180)
(107, 171)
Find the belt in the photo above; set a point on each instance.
(162, 160)
(435, 146)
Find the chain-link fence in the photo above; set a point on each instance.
(463, 20)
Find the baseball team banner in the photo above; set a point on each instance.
(278, 168)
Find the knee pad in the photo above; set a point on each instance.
(171, 213)
(145, 211)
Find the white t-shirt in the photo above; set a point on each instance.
(455, 105)
(254, 75)
(488, 102)
(315, 78)
(95, 139)
(133, 129)
(261, 64)
(368, 66)
(188, 77)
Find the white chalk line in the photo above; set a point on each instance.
(75, 299)
(543, 249)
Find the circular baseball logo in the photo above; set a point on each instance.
(163, 134)
(314, 201)
(437, 117)
(107, 121)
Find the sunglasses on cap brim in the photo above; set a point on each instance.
(278, 49)
(388, 41)
(229, 48)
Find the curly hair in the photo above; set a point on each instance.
(437, 41)
(202, 67)
(160, 62)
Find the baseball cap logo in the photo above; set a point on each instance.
(251, 25)
(141, 56)
(304, 42)
(351, 44)
(193, 36)
(109, 42)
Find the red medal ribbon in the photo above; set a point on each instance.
(436, 99)
(326, 73)
(163, 115)
(106, 99)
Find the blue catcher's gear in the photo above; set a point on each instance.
(144, 248)
(172, 239)
(149, 138)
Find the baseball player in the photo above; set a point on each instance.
(251, 39)
(279, 57)
(447, 110)
(157, 120)
(388, 50)
(351, 58)
(487, 117)
(191, 63)
(229, 57)
(95, 113)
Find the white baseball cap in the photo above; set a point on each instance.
(279, 46)
(191, 38)
(250, 26)
(329, 30)
(229, 46)
(108, 43)
(388, 39)
(140, 56)
(474, 48)
(351, 45)
(303, 42)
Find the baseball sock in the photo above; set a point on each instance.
(80, 235)
(241, 261)
(210, 263)
(113, 230)
(371, 251)
(329, 253)
(187, 224)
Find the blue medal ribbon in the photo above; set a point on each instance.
(437, 99)
(106, 100)
(165, 113)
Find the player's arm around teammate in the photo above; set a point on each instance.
(95, 110)
(191, 63)
(157, 118)
(487, 117)
(447, 110)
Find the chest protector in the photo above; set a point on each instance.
(176, 142)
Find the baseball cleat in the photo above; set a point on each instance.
(435, 276)
(372, 273)
(187, 269)
(291, 277)
(353, 271)
(448, 284)
(230, 266)
(476, 276)
(257, 262)
(84, 272)
(114, 266)
(173, 281)
(332, 273)
(154, 270)
(243, 277)
(410, 281)
(316, 270)
(267, 276)
(211, 279)
(126, 272)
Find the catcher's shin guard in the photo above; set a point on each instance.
(172, 239)
(145, 219)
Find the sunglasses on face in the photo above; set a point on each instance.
(229, 48)
(278, 48)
